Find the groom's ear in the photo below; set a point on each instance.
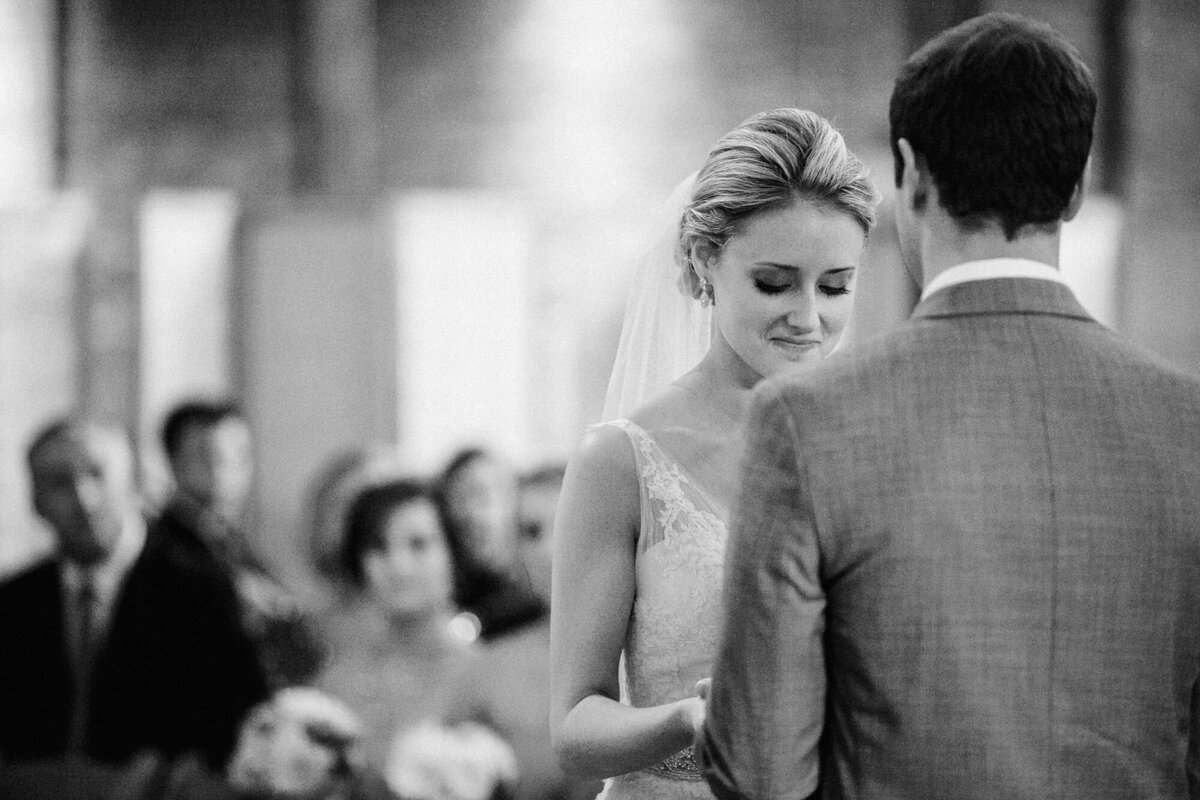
(914, 177)
(1077, 195)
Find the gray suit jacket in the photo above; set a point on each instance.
(965, 563)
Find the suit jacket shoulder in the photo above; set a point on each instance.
(1004, 488)
(37, 577)
(35, 678)
(31, 606)
(178, 671)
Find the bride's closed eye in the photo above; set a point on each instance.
(837, 283)
(840, 285)
(768, 287)
(770, 279)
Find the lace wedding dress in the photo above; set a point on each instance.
(673, 630)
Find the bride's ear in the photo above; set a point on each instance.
(702, 256)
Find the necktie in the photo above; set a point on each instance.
(85, 609)
(85, 619)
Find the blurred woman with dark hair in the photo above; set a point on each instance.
(477, 500)
(505, 687)
(395, 655)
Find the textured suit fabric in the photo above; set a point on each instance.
(285, 638)
(174, 674)
(965, 563)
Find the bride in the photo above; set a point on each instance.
(761, 261)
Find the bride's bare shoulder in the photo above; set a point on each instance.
(601, 483)
(604, 450)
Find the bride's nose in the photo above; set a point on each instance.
(803, 314)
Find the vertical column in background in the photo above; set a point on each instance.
(1089, 255)
(463, 336)
(27, 86)
(186, 248)
(1159, 286)
(41, 238)
(1092, 243)
(334, 96)
(40, 248)
(319, 356)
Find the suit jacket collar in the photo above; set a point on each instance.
(1002, 296)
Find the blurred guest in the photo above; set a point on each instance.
(329, 495)
(478, 504)
(439, 761)
(117, 645)
(208, 447)
(505, 687)
(537, 501)
(395, 659)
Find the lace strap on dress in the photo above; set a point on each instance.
(648, 460)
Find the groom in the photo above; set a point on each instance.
(966, 558)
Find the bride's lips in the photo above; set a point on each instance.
(796, 345)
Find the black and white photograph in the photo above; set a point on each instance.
(599, 399)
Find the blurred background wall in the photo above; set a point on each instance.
(412, 222)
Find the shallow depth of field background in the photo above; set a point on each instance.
(412, 222)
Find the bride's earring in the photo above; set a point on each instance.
(706, 293)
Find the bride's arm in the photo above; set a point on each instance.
(595, 536)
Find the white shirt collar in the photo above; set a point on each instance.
(108, 575)
(989, 269)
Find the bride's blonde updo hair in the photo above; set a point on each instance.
(769, 161)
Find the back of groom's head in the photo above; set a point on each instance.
(1000, 109)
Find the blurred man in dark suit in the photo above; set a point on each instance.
(118, 645)
(208, 445)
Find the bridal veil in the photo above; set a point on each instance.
(666, 331)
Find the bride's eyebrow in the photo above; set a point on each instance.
(792, 268)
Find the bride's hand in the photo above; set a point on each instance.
(697, 708)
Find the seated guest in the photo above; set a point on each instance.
(118, 644)
(505, 686)
(328, 496)
(537, 502)
(478, 504)
(208, 447)
(394, 657)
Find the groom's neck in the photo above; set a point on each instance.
(945, 243)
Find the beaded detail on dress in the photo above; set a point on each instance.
(681, 766)
(674, 626)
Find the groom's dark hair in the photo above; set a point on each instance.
(1000, 110)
